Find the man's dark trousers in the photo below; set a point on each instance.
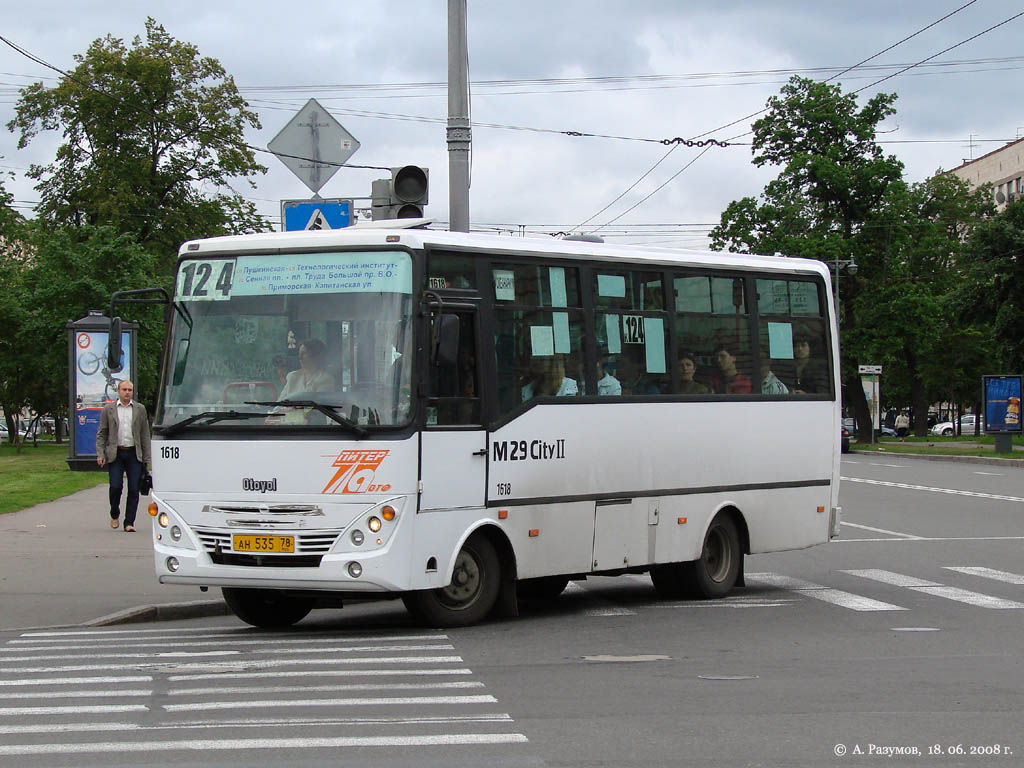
(126, 463)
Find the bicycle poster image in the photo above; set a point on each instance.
(95, 384)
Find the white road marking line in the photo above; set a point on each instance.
(243, 689)
(992, 474)
(265, 674)
(988, 573)
(737, 602)
(170, 656)
(98, 709)
(35, 681)
(234, 665)
(280, 722)
(105, 694)
(880, 530)
(607, 609)
(191, 632)
(932, 588)
(121, 642)
(825, 594)
(932, 538)
(384, 701)
(447, 739)
(953, 491)
(892, 466)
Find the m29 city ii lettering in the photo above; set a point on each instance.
(521, 450)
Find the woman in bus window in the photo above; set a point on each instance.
(731, 381)
(549, 379)
(811, 373)
(687, 368)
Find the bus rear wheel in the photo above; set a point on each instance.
(470, 595)
(713, 575)
(267, 608)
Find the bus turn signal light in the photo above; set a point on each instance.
(681, 520)
(388, 513)
(153, 509)
(502, 514)
(534, 532)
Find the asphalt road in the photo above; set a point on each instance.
(905, 635)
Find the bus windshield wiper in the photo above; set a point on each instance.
(213, 416)
(330, 411)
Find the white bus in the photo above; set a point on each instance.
(463, 420)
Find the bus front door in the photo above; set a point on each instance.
(453, 460)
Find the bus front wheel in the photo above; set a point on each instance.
(470, 595)
(266, 608)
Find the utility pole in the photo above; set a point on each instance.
(459, 133)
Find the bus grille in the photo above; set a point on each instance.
(309, 545)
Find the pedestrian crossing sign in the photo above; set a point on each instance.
(297, 215)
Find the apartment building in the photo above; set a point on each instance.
(1003, 168)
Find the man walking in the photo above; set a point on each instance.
(122, 445)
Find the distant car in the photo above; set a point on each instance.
(887, 431)
(947, 428)
(845, 445)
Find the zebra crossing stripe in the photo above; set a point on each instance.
(938, 590)
(825, 594)
(988, 573)
(201, 745)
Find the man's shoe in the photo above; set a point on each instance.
(129, 529)
(113, 522)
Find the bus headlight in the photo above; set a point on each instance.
(176, 533)
(355, 570)
(172, 564)
(374, 524)
(164, 520)
(357, 537)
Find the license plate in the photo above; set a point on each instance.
(275, 544)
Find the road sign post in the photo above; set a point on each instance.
(298, 215)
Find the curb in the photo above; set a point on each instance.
(195, 609)
(994, 460)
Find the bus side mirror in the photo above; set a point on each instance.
(447, 346)
(114, 346)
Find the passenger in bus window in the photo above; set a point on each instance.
(770, 383)
(731, 381)
(606, 383)
(548, 379)
(633, 377)
(687, 369)
(811, 373)
(311, 376)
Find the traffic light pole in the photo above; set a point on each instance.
(459, 134)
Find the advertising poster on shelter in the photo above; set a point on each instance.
(95, 384)
(1002, 403)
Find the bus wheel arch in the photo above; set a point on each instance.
(481, 574)
(717, 569)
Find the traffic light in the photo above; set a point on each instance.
(403, 196)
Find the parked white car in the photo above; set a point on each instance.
(947, 428)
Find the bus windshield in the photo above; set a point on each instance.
(312, 339)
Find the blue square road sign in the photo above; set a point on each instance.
(298, 215)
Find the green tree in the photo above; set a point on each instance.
(146, 128)
(912, 247)
(15, 371)
(993, 286)
(73, 271)
(833, 175)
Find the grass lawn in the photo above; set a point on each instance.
(40, 473)
(967, 445)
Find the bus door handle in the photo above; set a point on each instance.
(481, 452)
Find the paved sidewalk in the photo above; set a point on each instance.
(62, 564)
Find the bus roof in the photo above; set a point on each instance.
(417, 238)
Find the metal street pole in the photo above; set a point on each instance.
(459, 135)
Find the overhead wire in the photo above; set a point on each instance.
(839, 74)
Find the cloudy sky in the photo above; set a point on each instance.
(643, 69)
